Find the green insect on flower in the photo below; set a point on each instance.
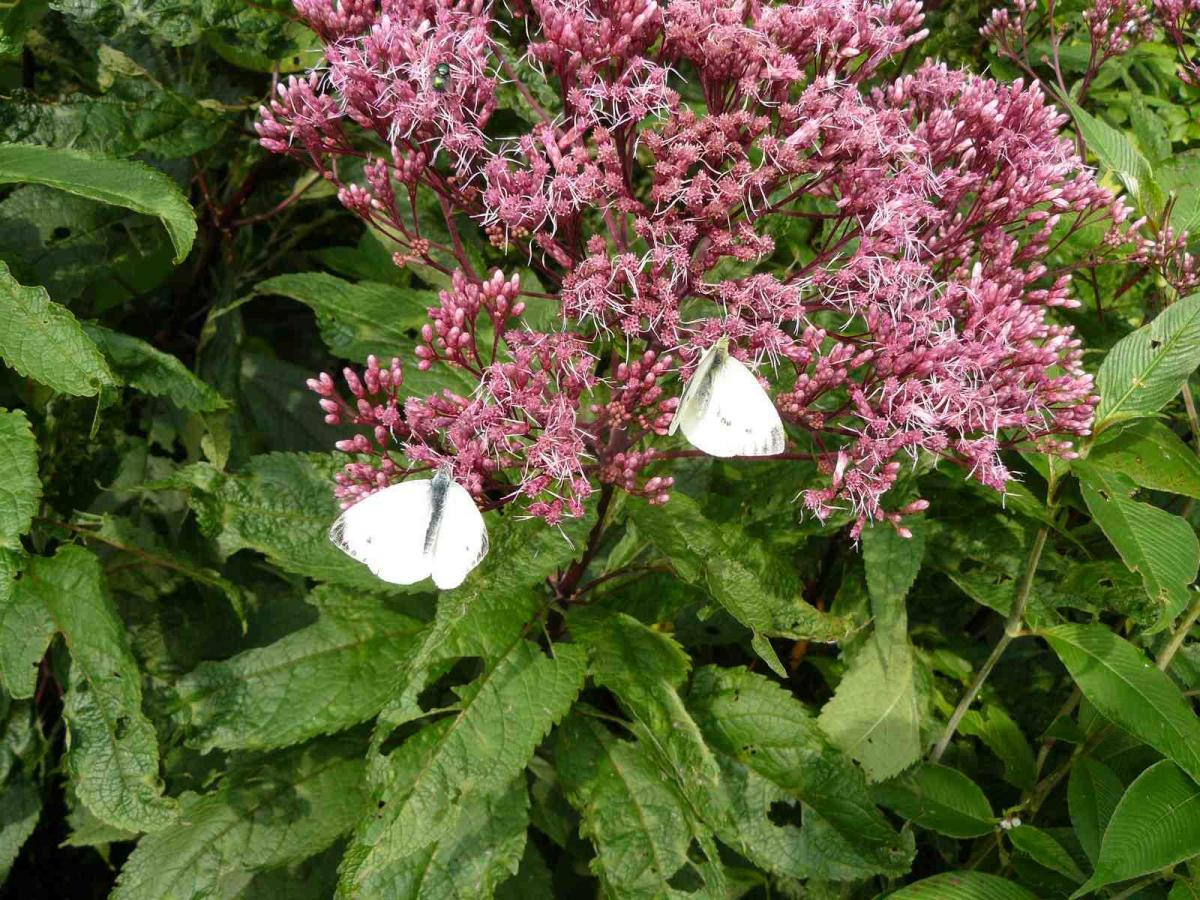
(441, 76)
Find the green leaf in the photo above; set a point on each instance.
(118, 182)
(636, 820)
(25, 627)
(42, 340)
(714, 557)
(153, 372)
(941, 799)
(1092, 794)
(1179, 176)
(1160, 546)
(112, 751)
(136, 114)
(427, 789)
(1045, 851)
(891, 564)
(1147, 368)
(1120, 155)
(20, 807)
(1153, 456)
(323, 678)
(875, 713)
(645, 670)
(1125, 687)
(965, 885)
(1003, 737)
(21, 489)
(278, 810)
(280, 504)
(761, 726)
(356, 318)
(1156, 824)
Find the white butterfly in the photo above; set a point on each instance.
(415, 529)
(725, 412)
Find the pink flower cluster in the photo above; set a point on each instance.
(648, 206)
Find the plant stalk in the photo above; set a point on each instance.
(1012, 628)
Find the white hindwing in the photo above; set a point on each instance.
(461, 539)
(386, 532)
(734, 417)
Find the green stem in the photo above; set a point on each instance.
(1012, 627)
(1179, 635)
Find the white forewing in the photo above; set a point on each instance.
(734, 416)
(461, 539)
(386, 532)
(688, 399)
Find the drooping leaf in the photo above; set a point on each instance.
(1092, 794)
(941, 799)
(149, 370)
(1160, 546)
(637, 821)
(119, 182)
(1156, 824)
(1045, 851)
(891, 564)
(323, 678)
(426, 786)
(21, 490)
(42, 340)
(271, 812)
(758, 724)
(112, 752)
(964, 885)
(1146, 369)
(1125, 687)
(1153, 456)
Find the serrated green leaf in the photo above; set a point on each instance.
(21, 489)
(645, 670)
(1000, 733)
(1045, 851)
(713, 556)
(278, 810)
(119, 182)
(1126, 688)
(1156, 824)
(112, 753)
(962, 886)
(323, 678)
(758, 724)
(875, 713)
(153, 372)
(1146, 369)
(20, 807)
(25, 627)
(941, 799)
(1153, 456)
(492, 611)
(891, 564)
(42, 340)
(637, 821)
(1160, 546)
(282, 505)
(1092, 794)
(428, 784)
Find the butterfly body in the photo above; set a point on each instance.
(724, 411)
(415, 530)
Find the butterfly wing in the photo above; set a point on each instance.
(462, 539)
(735, 417)
(689, 397)
(386, 532)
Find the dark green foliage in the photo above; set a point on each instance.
(711, 698)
